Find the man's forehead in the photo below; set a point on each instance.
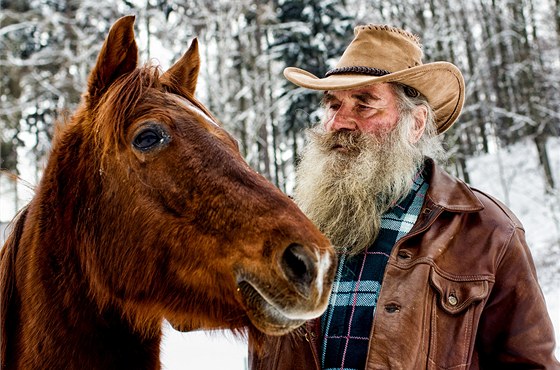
(370, 92)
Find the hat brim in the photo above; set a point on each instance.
(440, 82)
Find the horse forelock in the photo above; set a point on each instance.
(114, 112)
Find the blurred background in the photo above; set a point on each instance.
(506, 142)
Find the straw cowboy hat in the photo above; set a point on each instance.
(381, 53)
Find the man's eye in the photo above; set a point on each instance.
(363, 107)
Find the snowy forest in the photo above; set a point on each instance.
(508, 51)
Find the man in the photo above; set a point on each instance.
(432, 274)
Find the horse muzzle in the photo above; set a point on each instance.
(297, 289)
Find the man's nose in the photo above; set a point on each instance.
(342, 120)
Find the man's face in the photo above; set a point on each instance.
(369, 110)
(358, 164)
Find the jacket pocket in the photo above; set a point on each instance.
(457, 303)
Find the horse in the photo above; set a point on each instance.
(146, 212)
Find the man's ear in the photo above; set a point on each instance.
(420, 118)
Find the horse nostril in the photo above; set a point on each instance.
(299, 267)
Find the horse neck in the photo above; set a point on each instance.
(57, 322)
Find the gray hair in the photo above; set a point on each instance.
(408, 98)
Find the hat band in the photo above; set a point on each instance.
(358, 69)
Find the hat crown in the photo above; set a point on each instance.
(382, 47)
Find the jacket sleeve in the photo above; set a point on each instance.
(515, 329)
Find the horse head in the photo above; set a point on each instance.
(175, 223)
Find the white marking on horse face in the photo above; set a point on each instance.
(323, 264)
(193, 108)
(302, 312)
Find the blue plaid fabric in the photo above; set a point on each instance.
(346, 324)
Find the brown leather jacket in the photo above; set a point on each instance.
(465, 290)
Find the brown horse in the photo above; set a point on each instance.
(146, 211)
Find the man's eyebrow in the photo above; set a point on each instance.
(364, 97)
(328, 98)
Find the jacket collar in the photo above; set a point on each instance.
(449, 192)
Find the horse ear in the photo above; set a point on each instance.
(184, 73)
(118, 55)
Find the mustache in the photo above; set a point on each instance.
(351, 141)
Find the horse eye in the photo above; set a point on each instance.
(149, 138)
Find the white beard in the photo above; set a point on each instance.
(345, 192)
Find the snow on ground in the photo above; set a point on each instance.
(202, 350)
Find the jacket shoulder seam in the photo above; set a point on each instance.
(515, 222)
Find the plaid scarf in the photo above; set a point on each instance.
(346, 324)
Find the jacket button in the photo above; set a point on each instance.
(392, 308)
(452, 300)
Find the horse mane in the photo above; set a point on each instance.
(7, 279)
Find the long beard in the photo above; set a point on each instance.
(347, 180)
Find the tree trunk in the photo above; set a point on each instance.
(540, 142)
(241, 102)
(259, 98)
(273, 123)
(479, 115)
(557, 19)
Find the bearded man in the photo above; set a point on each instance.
(432, 274)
